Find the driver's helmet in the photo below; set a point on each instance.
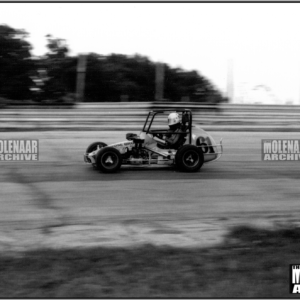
(173, 119)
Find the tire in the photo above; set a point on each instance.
(94, 146)
(109, 160)
(189, 158)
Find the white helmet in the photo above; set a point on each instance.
(173, 119)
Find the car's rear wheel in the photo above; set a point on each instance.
(189, 158)
(109, 160)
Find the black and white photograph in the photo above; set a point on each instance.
(149, 150)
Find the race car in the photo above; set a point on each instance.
(194, 147)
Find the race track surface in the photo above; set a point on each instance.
(60, 201)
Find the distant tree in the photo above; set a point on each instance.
(60, 68)
(16, 64)
(179, 84)
(57, 47)
(109, 77)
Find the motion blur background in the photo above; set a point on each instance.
(247, 52)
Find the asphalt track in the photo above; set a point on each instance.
(61, 202)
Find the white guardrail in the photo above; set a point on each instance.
(131, 115)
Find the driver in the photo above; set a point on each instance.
(172, 138)
(174, 124)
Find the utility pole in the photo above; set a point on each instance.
(81, 70)
(230, 81)
(159, 81)
(298, 102)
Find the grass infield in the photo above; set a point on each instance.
(250, 263)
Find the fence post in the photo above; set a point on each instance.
(159, 81)
(81, 69)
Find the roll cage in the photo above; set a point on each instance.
(186, 121)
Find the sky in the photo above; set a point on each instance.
(262, 40)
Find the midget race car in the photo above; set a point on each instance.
(194, 147)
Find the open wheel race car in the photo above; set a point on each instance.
(193, 146)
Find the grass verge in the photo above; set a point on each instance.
(250, 263)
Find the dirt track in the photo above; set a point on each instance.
(59, 201)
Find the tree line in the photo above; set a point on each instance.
(108, 78)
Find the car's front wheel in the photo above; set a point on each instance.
(109, 160)
(189, 158)
(94, 146)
